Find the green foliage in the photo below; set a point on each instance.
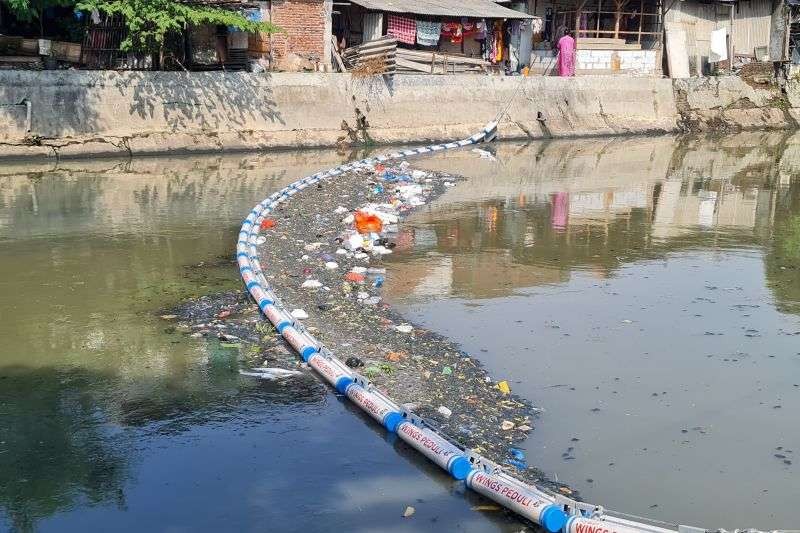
(150, 21)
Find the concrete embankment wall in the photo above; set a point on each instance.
(76, 113)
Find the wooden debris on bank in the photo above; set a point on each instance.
(429, 62)
(371, 58)
(382, 56)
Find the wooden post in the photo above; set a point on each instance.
(730, 42)
(578, 9)
(778, 33)
(661, 26)
(641, 20)
(617, 16)
(597, 26)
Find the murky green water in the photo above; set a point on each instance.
(109, 421)
(646, 295)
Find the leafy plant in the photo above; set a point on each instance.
(150, 21)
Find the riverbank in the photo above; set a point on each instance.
(55, 114)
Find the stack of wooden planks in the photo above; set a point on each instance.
(372, 57)
(382, 56)
(605, 43)
(427, 62)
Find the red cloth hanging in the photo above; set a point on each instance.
(453, 32)
(403, 28)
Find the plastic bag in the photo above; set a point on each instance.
(367, 223)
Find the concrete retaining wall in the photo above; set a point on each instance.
(97, 112)
(77, 113)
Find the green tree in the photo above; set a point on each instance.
(150, 21)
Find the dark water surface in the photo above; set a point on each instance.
(111, 422)
(645, 293)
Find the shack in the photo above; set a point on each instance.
(612, 36)
(441, 36)
(716, 32)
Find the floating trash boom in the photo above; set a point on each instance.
(554, 512)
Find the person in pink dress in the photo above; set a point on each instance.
(566, 54)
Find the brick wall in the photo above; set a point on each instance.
(631, 61)
(304, 24)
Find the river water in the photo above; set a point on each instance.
(110, 420)
(644, 293)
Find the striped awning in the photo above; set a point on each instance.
(444, 8)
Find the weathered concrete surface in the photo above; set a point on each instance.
(729, 103)
(79, 113)
(84, 112)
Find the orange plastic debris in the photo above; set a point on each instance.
(268, 223)
(367, 223)
(396, 357)
(355, 277)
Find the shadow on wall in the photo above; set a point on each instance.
(73, 103)
(200, 100)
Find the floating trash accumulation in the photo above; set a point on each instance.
(342, 306)
(353, 222)
(324, 256)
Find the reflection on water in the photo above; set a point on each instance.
(107, 416)
(645, 293)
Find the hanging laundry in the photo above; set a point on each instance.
(499, 42)
(453, 32)
(537, 25)
(719, 45)
(468, 27)
(488, 46)
(480, 29)
(403, 28)
(428, 32)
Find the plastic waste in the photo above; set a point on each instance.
(355, 241)
(270, 373)
(355, 277)
(522, 465)
(268, 223)
(444, 411)
(311, 284)
(367, 222)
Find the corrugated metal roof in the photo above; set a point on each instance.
(444, 8)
